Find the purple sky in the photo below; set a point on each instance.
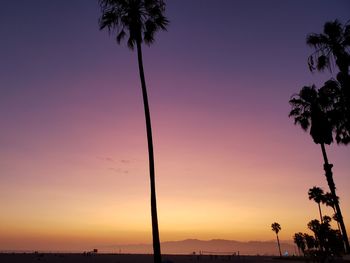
(219, 83)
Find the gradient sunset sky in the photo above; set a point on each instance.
(229, 161)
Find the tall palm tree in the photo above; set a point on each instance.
(138, 20)
(316, 193)
(332, 47)
(310, 109)
(277, 228)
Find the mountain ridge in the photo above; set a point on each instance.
(213, 246)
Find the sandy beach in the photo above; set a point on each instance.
(129, 258)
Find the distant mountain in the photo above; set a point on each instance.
(215, 246)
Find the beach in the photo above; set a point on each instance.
(129, 258)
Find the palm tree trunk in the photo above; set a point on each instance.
(329, 175)
(279, 246)
(155, 231)
(335, 213)
(320, 211)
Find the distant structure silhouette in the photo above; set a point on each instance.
(138, 20)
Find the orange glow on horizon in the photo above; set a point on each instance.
(229, 162)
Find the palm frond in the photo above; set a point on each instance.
(316, 40)
(331, 47)
(333, 29)
(136, 20)
(109, 19)
(121, 36)
(347, 36)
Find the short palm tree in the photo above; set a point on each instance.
(315, 226)
(299, 240)
(316, 193)
(329, 201)
(309, 241)
(277, 228)
(138, 21)
(310, 109)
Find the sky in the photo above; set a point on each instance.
(229, 161)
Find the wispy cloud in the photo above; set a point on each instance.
(107, 159)
(118, 170)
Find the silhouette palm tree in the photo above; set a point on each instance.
(315, 227)
(328, 239)
(300, 242)
(316, 193)
(310, 109)
(277, 228)
(138, 20)
(328, 201)
(332, 48)
(310, 241)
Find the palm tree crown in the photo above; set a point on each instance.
(137, 19)
(331, 46)
(328, 200)
(276, 227)
(316, 194)
(310, 108)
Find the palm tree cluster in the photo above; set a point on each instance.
(326, 111)
(317, 194)
(325, 242)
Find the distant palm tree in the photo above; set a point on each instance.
(277, 228)
(316, 193)
(310, 241)
(310, 110)
(300, 242)
(315, 226)
(329, 201)
(138, 20)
